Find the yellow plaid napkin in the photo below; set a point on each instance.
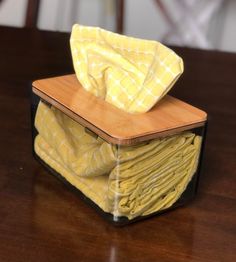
(132, 74)
(130, 181)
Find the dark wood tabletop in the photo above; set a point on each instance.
(42, 220)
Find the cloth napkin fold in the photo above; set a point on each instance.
(130, 73)
(150, 176)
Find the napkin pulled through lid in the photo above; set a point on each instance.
(130, 73)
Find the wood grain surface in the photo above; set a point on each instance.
(41, 220)
(167, 117)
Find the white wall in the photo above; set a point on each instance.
(142, 18)
(227, 39)
(12, 12)
(61, 15)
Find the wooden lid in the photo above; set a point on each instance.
(167, 117)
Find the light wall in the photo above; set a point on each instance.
(142, 18)
(12, 12)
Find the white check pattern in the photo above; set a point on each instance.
(132, 74)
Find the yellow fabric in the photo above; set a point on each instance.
(154, 181)
(132, 74)
(125, 181)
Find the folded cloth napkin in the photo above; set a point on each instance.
(155, 180)
(132, 74)
(127, 181)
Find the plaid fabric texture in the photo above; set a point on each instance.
(130, 73)
(126, 181)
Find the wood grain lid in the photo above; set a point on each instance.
(168, 117)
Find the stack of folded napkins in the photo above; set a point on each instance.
(133, 75)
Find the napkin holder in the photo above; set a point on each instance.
(167, 118)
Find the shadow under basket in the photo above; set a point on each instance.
(128, 167)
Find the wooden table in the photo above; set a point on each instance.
(41, 220)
